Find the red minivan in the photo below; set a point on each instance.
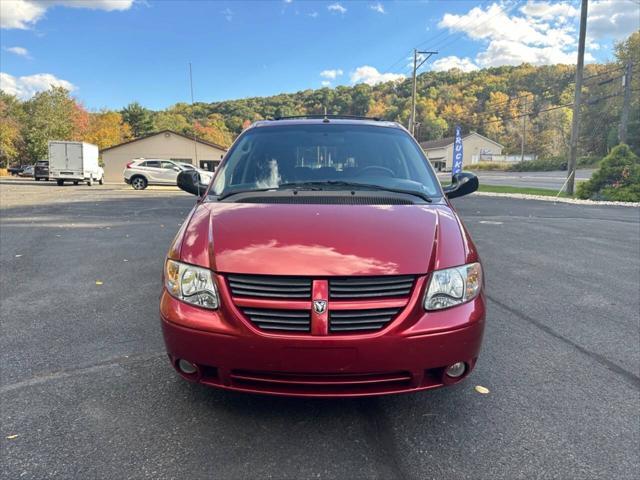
(324, 259)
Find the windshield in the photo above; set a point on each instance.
(328, 156)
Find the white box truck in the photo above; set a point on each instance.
(74, 162)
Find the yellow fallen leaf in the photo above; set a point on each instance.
(98, 282)
(481, 389)
(11, 437)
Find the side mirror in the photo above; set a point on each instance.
(462, 183)
(189, 181)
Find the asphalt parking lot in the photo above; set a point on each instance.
(86, 390)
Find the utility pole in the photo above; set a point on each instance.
(195, 141)
(575, 122)
(416, 66)
(524, 129)
(624, 117)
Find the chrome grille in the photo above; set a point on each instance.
(265, 286)
(281, 320)
(358, 320)
(370, 287)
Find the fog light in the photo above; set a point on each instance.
(456, 370)
(186, 367)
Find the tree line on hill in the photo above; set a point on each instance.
(502, 103)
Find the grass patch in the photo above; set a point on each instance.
(524, 190)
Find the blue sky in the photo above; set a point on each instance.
(112, 52)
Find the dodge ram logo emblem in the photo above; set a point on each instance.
(319, 306)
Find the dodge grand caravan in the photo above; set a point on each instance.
(324, 259)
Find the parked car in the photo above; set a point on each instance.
(27, 171)
(41, 170)
(150, 171)
(324, 259)
(15, 169)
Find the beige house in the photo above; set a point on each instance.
(475, 148)
(168, 145)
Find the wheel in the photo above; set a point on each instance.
(139, 183)
(101, 181)
(90, 182)
(37, 179)
(60, 182)
(76, 182)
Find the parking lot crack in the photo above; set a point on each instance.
(66, 373)
(630, 377)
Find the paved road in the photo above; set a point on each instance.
(86, 391)
(550, 180)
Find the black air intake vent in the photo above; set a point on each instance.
(264, 286)
(328, 200)
(279, 320)
(360, 320)
(370, 287)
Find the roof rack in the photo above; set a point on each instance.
(328, 116)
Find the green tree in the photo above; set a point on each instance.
(618, 177)
(49, 115)
(11, 124)
(139, 118)
(171, 121)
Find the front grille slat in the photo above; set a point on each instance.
(276, 313)
(371, 280)
(363, 313)
(399, 293)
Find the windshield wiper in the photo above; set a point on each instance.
(318, 185)
(224, 194)
(340, 183)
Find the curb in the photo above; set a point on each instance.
(575, 201)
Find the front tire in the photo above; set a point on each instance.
(139, 183)
(60, 182)
(76, 182)
(101, 181)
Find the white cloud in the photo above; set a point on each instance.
(326, 83)
(27, 86)
(377, 7)
(20, 51)
(549, 11)
(543, 33)
(331, 74)
(612, 18)
(447, 63)
(371, 76)
(313, 14)
(336, 7)
(23, 14)
(228, 14)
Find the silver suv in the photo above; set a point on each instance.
(146, 171)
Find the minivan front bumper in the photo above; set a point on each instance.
(409, 355)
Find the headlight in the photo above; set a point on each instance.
(190, 284)
(453, 286)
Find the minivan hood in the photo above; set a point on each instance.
(323, 240)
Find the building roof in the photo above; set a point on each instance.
(445, 142)
(198, 140)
